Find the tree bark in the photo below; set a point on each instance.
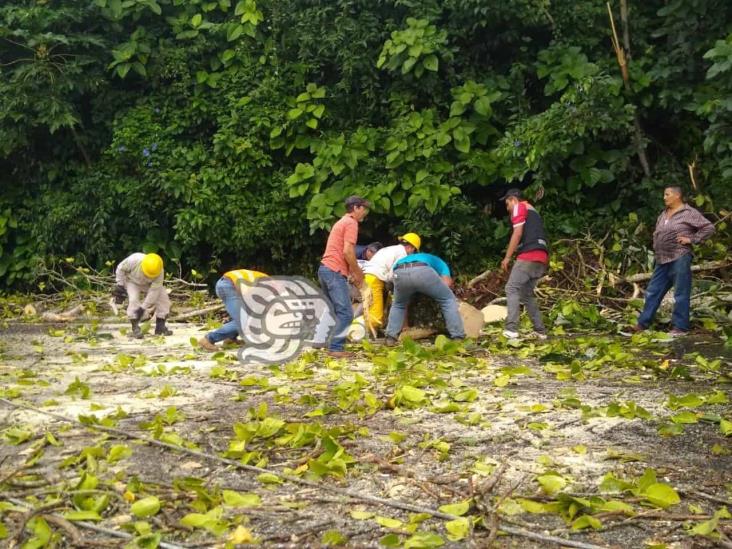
(623, 55)
(80, 146)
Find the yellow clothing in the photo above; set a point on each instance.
(375, 309)
(243, 274)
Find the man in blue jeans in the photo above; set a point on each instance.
(677, 228)
(227, 289)
(429, 275)
(338, 263)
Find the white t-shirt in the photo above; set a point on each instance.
(382, 261)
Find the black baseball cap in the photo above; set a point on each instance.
(356, 201)
(516, 193)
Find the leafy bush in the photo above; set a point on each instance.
(228, 133)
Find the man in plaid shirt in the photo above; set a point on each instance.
(678, 227)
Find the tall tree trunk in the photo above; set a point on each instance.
(80, 146)
(623, 55)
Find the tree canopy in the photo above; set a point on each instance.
(224, 133)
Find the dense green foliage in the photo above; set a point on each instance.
(228, 132)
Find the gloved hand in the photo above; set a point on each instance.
(119, 293)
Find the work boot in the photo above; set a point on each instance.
(160, 328)
(136, 332)
(205, 343)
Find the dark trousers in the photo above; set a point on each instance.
(520, 287)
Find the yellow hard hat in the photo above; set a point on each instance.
(152, 265)
(413, 239)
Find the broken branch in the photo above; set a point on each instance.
(706, 266)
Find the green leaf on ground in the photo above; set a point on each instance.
(241, 500)
(146, 507)
(424, 540)
(457, 509)
(82, 516)
(586, 521)
(457, 529)
(412, 394)
(551, 483)
(333, 537)
(387, 522)
(661, 495)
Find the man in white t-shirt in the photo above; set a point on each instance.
(378, 271)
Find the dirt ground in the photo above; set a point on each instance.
(522, 434)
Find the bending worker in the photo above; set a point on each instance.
(227, 289)
(364, 252)
(378, 272)
(429, 275)
(140, 273)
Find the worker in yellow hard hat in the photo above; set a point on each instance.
(140, 273)
(227, 289)
(378, 272)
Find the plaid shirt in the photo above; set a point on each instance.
(688, 222)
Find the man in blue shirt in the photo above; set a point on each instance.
(429, 275)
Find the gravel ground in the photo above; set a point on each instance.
(478, 425)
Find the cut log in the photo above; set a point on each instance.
(65, 316)
(416, 332)
(706, 266)
(472, 319)
(494, 313)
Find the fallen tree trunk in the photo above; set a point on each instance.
(198, 312)
(706, 266)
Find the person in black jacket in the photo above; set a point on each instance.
(529, 240)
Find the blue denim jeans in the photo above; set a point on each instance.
(677, 273)
(335, 289)
(229, 294)
(424, 280)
